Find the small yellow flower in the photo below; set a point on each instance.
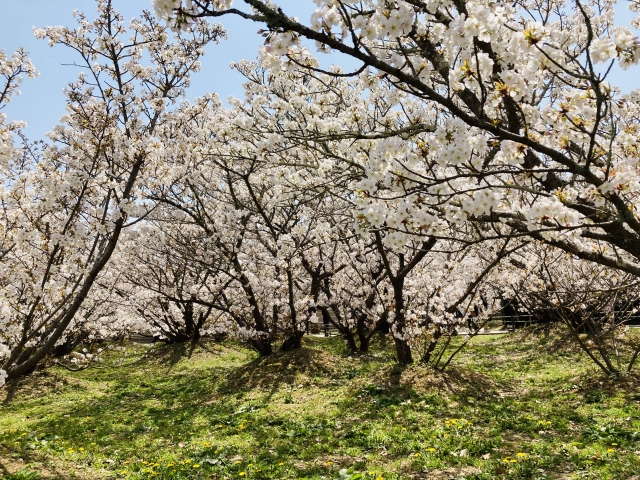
(280, 464)
(170, 464)
(242, 474)
(431, 449)
(416, 454)
(506, 460)
(328, 464)
(521, 454)
(250, 465)
(610, 450)
(372, 473)
(196, 465)
(379, 478)
(81, 449)
(189, 461)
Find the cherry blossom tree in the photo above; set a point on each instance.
(507, 113)
(248, 217)
(474, 138)
(12, 70)
(73, 199)
(593, 302)
(161, 288)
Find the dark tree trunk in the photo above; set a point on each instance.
(344, 330)
(382, 325)
(363, 336)
(263, 347)
(292, 342)
(187, 316)
(351, 342)
(432, 346)
(403, 350)
(260, 323)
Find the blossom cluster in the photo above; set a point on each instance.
(65, 204)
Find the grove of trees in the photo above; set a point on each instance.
(478, 157)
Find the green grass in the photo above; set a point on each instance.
(512, 407)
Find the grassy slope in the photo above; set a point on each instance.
(508, 409)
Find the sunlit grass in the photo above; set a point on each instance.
(511, 407)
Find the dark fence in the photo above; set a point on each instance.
(521, 320)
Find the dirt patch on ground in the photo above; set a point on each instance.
(453, 382)
(46, 468)
(628, 384)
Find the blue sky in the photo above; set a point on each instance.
(42, 103)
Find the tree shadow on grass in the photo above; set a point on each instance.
(170, 354)
(281, 369)
(455, 381)
(467, 383)
(35, 385)
(136, 409)
(166, 355)
(10, 390)
(43, 381)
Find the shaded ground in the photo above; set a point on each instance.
(514, 406)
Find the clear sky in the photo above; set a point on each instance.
(42, 103)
